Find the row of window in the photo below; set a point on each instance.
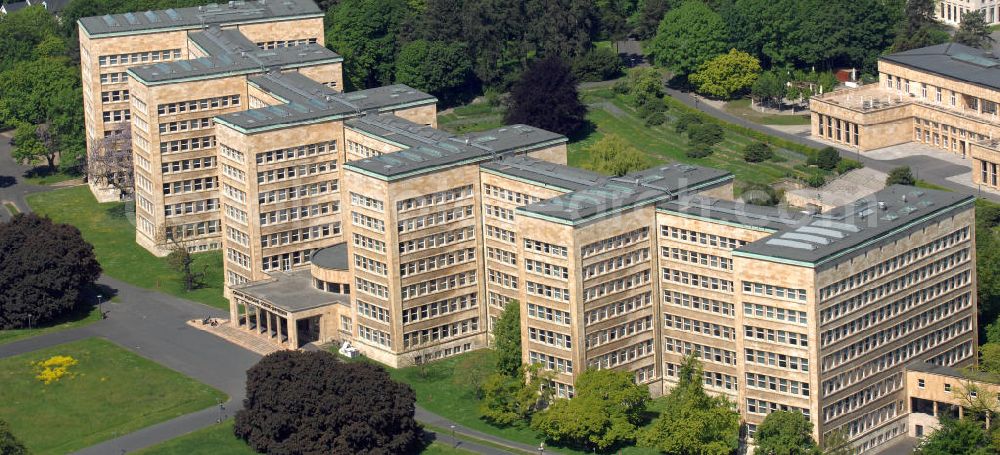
(360, 200)
(501, 255)
(548, 314)
(545, 248)
(368, 287)
(371, 265)
(305, 234)
(285, 261)
(775, 336)
(619, 308)
(775, 360)
(619, 262)
(440, 308)
(550, 362)
(218, 102)
(138, 57)
(703, 238)
(372, 311)
(437, 240)
(188, 144)
(436, 285)
(436, 262)
(694, 257)
(434, 219)
(190, 185)
(698, 303)
(189, 207)
(616, 242)
(762, 407)
(618, 332)
(192, 230)
(622, 284)
(622, 356)
(756, 310)
(368, 243)
(301, 151)
(180, 126)
(298, 213)
(711, 329)
(508, 195)
(559, 340)
(500, 234)
(365, 221)
(859, 399)
(775, 384)
(501, 279)
(440, 197)
(696, 280)
(374, 335)
(704, 352)
(778, 292)
(169, 167)
(498, 212)
(297, 192)
(361, 150)
(440, 333)
(299, 171)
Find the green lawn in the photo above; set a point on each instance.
(219, 440)
(610, 114)
(41, 175)
(742, 109)
(111, 392)
(77, 319)
(448, 388)
(112, 232)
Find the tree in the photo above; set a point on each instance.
(727, 75)
(45, 268)
(612, 155)
(705, 134)
(919, 28)
(507, 340)
(9, 444)
(649, 16)
(785, 433)
(837, 443)
(827, 158)
(757, 152)
(560, 27)
(956, 437)
(693, 422)
(642, 86)
(688, 37)
(365, 33)
(760, 194)
(21, 32)
(512, 400)
(974, 31)
(181, 260)
(110, 161)
(900, 176)
(439, 68)
(545, 97)
(687, 120)
(598, 64)
(769, 88)
(309, 402)
(33, 144)
(606, 411)
(495, 31)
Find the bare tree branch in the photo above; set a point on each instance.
(110, 161)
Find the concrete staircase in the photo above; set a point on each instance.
(249, 340)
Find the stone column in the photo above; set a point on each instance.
(293, 333)
(259, 327)
(234, 312)
(272, 325)
(935, 408)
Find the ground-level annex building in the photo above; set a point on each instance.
(945, 96)
(349, 216)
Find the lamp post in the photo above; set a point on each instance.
(29, 322)
(541, 448)
(452, 426)
(100, 306)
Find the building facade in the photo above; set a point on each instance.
(349, 217)
(951, 11)
(944, 96)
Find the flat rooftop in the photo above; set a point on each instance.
(618, 194)
(879, 217)
(732, 212)
(233, 12)
(426, 148)
(215, 41)
(228, 64)
(332, 257)
(292, 291)
(953, 60)
(308, 101)
(558, 176)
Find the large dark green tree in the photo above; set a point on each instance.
(45, 269)
(495, 31)
(545, 97)
(437, 67)
(21, 32)
(309, 402)
(692, 421)
(974, 30)
(507, 340)
(785, 433)
(919, 27)
(687, 37)
(606, 412)
(365, 33)
(560, 27)
(648, 17)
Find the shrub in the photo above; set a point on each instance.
(759, 194)
(545, 97)
(827, 158)
(900, 176)
(846, 165)
(706, 133)
(686, 120)
(309, 402)
(651, 108)
(598, 64)
(815, 180)
(698, 151)
(45, 268)
(656, 119)
(757, 152)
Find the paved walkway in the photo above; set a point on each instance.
(13, 187)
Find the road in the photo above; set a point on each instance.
(13, 187)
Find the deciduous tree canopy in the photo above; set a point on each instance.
(44, 270)
(309, 402)
(612, 155)
(785, 433)
(687, 37)
(726, 75)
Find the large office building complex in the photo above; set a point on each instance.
(350, 217)
(944, 96)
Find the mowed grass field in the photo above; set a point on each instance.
(111, 229)
(109, 393)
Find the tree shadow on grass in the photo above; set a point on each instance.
(122, 211)
(584, 131)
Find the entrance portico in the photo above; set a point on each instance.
(287, 309)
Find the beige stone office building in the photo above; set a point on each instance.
(945, 96)
(349, 217)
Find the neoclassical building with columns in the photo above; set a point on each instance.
(348, 216)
